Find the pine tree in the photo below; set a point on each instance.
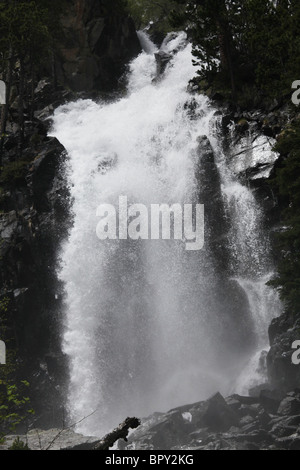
(244, 43)
(144, 11)
(27, 32)
(211, 29)
(288, 182)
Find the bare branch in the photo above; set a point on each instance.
(69, 427)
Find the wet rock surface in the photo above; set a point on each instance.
(283, 332)
(34, 219)
(268, 421)
(249, 139)
(53, 439)
(250, 144)
(99, 39)
(253, 156)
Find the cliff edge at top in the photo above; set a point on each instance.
(99, 39)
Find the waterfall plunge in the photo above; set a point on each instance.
(145, 326)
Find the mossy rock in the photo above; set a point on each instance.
(242, 125)
(14, 172)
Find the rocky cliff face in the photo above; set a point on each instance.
(99, 39)
(33, 222)
(266, 421)
(283, 332)
(34, 218)
(251, 138)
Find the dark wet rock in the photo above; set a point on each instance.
(264, 419)
(8, 225)
(99, 40)
(270, 399)
(181, 40)
(283, 373)
(229, 293)
(34, 206)
(217, 415)
(246, 400)
(255, 391)
(234, 423)
(233, 402)
(246, 420)
(253, 156)
(277, 326)
(248, 411)
(295, 444)
(162, 61)
(249, 138)
(289, 443)
(289, 406)
(210, 194)
(282, 429)
(214, 424)
(242, 125)
(167, 52)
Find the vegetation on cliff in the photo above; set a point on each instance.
(145, 12)
(288, 184)
(248, 52)
(15, 407)
(28, 32)
(246, 49)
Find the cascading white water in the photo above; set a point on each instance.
(145, 328)
(251, 265)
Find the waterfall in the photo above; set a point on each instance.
(251, 266)
(149, 325)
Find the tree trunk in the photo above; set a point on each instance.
(21, 106)
(5, 108)
(32, 88)
(226, 54)
(54, 71)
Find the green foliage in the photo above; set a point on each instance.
(28, 30)
(23, 28)
(15, 407)
(18, 445)
(288, 182)
(4, 308)
(245, 43)
(28, 35)
(4, 303)
(145, 11)
(13, 172)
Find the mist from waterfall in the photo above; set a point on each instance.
(148, 325)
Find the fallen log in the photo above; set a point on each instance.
(121, 432)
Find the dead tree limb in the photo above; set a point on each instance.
(121, 432)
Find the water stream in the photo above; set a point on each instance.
(149, 325)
